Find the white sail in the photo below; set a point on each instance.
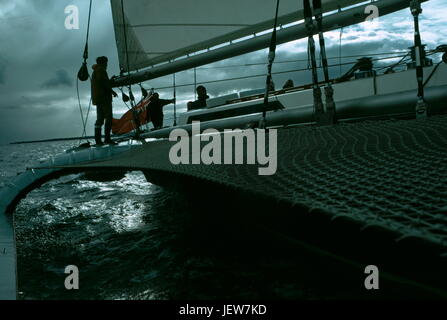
(162, 30)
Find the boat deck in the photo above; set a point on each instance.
(388, 173)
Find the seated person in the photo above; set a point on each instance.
(155, 110)
(201, 99)
(288, 84)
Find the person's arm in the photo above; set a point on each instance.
(192, 105)
(107, 84)
(165, 102)
(113, 92)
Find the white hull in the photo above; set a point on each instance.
(356, 89)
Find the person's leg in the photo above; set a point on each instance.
(154, 116)
(157, 122)
(99, 122)
(108, 122)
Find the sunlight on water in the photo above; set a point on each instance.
(130, 239)
(127, 217)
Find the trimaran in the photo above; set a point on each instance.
(161, 38)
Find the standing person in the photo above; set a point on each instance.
(155, 110)
(201, 99)
(102, 98)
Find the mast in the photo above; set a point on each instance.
(331, 22)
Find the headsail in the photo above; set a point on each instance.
(162, 30)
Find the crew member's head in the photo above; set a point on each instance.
(288, 84)
(155, 96)
(201, 91)
(102, 61)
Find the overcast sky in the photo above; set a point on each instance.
(39, 60)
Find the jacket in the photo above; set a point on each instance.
(101, 87)
(155, 108)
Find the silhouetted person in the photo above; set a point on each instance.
(201, 99)
(155, 110)
(288, 84)
(102, 98)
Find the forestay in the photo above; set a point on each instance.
(162, 30)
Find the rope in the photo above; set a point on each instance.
(195, 84)
(300, 60)
(310, 28)
(339, 46)
(122, 92)
(80, 110)
(396, 64)
(125, 38)
(89, 15)
(271, 58)
(421, 106)
(263, 75)
(401, 55)
(403, 61)
(136, 120)
(84, 121)
(85, 57)
(339, 51)
(432, 73)
(175, 102)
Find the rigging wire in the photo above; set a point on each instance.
(125, 39)
(271, 58)
(80, 111)
(89, 16)
(122, 92)
(298, 60)
(432, 73)
(84, 121)
(195, 83)
(274, 73)
(401, 55)
(135, 116)
(175, 101)
(396, 64)
(81, 76)
(339, 51)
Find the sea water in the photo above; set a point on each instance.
(131, 239)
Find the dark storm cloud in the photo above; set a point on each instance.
(61, 79)
(35, 90)
(2, 73)
(3, 64)
(38, 79)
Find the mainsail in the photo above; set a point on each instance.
(192, 33)
(162, 30)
